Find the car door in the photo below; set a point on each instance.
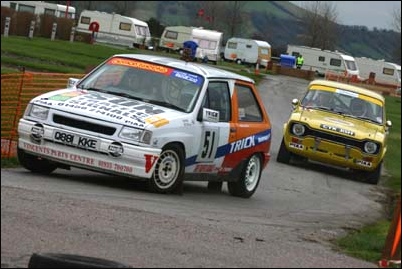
(215, 134)
(250, 130)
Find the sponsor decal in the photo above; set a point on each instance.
(158, 69)
(156, 121)
(249, 142)
(348, 93)
(296, 146)
(337, 129)
(205, 168)
(187, 76)
(65, 96)
(115, 149)
(141, 65)
(150, 161)
(134, 112)
(88, 161)
(363, 163)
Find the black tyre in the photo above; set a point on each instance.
(35, 164)
(169, 170)
(57, 260)
(373, 177)
(283, 155)
(249, 178)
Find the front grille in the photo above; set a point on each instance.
(338, 139)
(84, 125)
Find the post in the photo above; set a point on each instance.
(7, 26)
(54, 31)
(31, 29)
(72, 34)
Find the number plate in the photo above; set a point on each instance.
(75, 140)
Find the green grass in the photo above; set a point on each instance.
(367, 243)
(65, 57)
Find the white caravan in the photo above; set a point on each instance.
(209, 41)
(40, 8)
(115, 29)
(322, 61)
(385, 72)
(248, 51)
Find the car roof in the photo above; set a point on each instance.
(201, 69)
(349, 87)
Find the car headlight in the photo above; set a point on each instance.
(370, 147)
(39, 112)
(298, 129)
(137, 135)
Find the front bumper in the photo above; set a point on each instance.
(332, 153)
(134, 161)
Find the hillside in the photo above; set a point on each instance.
(277, 22)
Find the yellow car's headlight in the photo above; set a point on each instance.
(370, 147)
(298, 129)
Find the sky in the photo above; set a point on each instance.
(365, 13)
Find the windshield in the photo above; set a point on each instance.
(346, 103)
(148, 82)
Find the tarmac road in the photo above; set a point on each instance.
(289, 222)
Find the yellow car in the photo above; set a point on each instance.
(338, 124)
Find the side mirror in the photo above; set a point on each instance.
(72, 82)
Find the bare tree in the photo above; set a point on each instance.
(233, 17)
(397, 19)
(320, 19)
(209, 15)
(397, 26)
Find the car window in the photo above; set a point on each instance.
(345, 103)
(152, 83)
(248, 109)
(218, 98)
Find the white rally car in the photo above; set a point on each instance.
(154, 118)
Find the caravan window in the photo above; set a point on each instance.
(206, 44)
(351, 65)
(388, 71)
(125, 26)
(50, 11)
(232, 45)
(25, 8)
(85, 20)
(335, 62)
(141, 30)
(321, 58)
(264, 51)
(171, 34)
(249, 46)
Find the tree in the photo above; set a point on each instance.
(320, 19)
(397, 25)
(233, 17)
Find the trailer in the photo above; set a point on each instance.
(321, 61)
(383, 72)
(208, 41)
(41, 8)
(247, 51)
(114, 29)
